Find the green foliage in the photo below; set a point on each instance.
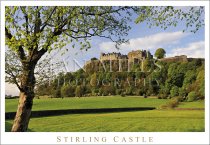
(167, 16)
(67, 91)
(174, 91)
(192, 96)
(93, 80)
(79, 91)
(160, 53)
(56, 93)
(182, 92)
(170, 80)
(189, 78)
(201, 83)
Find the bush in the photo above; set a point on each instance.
(78, 91)
(67, 91)
(162, 96)
(56, 93)
(123, 94)
(182, 93)
(171, 104)
(191, 96)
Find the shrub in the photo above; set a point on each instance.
(191, 96)
(78, 91)
(67, 91)
(123, 94)
(182, 93)
(162, 96)
(56, 93)
(171, 104)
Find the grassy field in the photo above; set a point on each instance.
(197, 104)
(87, 102)
(136, 121)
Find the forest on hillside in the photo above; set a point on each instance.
(146, 78)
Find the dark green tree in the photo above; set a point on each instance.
(160, 53)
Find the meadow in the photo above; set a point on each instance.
(87, 102)
(136, 121)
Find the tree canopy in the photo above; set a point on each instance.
(160, 53)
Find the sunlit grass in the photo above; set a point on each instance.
(139, 121)
(87, 102)
(136, 121)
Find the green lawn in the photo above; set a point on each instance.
(136, 121)
(197, 104)
(87, 102)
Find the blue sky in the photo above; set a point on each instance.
(173, 40)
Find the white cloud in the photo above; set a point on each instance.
(148, 42)
(194, 49)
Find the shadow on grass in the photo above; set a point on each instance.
(44, 113)
(8, 127)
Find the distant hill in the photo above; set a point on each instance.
(137, 74)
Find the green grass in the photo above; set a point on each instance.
(138, 121)
(87, 102)
(196, 104)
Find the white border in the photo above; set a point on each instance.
(158, 137)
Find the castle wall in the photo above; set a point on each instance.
(182, 58)
(112, 56)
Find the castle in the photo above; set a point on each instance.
(137, 56)
(133, 56)
(181, 58)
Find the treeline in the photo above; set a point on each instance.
(147, 78)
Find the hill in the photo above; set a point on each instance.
(143, 76)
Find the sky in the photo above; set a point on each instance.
(173, 40)
(141, 37)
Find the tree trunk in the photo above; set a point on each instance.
(26, 96)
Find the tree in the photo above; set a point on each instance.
(78, 91)
(192, 96)
(166, 16)
(93, 80)
(174, 91)
(160, 53)
(44, 71)
(67, 91)
(35, 30)
(201, 83)
(57, 92)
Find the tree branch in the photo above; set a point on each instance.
(20, 51)
(8, 34)
(26, 18)
(14, 79)
(46, 22)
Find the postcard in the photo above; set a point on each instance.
(104, 72)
